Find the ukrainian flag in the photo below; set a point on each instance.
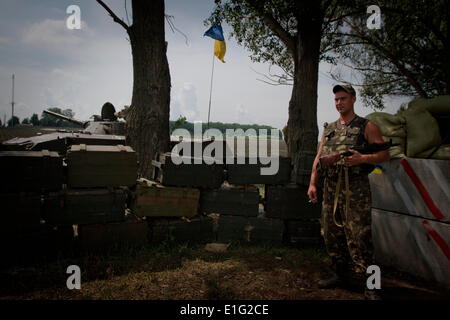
(220, 47)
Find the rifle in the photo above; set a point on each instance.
(365, 148)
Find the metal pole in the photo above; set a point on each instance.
(210, 90)
(12, 102)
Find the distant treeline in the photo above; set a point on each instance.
(47, 120)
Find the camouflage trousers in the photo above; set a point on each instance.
(349, 245)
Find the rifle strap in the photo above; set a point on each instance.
(347, 196)
(347, 193)
(336, 197)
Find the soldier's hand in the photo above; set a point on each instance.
(355, 159)
(312, 193)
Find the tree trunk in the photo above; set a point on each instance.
(302, 123)
(148, 116)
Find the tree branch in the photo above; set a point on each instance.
(394, 60)
(371, 70)
(275, 26)
(365, 84)
(275, 79)
(113, 15)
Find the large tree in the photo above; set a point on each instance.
(148, 115)
(409, 55)
(294, 35)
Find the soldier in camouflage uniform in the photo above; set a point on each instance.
(346, 207)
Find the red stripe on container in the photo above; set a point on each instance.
(423, 192)
(437, 238)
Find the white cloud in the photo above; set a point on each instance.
(184, 102)
(54, 35)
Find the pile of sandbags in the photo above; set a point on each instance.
(393, 128)
(420, 129)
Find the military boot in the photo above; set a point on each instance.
(331, 282)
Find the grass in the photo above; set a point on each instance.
(167, 271)
(184, 272)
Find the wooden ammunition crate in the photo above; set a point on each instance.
(193, 231)
(290, 202)
(21, 213)
(197, 175)
(303, 232)
(30, 171)
(230, 201)
(155, 200)
(250, 230)
(91, 166)
(131, 232)
(85, 206)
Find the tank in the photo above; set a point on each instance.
(107, 123)
(104, 129)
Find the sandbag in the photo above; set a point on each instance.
(439, 105)
(423, 131)
(442, 153)
(389, 125)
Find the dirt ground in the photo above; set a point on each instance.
(169, 272)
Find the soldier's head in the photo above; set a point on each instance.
(344, 98)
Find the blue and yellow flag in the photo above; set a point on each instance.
(220, 47)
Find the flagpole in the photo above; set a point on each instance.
(210, 89)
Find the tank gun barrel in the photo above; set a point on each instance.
(81, 123)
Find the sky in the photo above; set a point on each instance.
(82, 69)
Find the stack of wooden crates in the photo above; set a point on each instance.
(225, 202)
(95, 196)
(26, 178)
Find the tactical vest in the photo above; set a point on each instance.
(340, 139)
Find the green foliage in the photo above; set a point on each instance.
(14, 121)
(250, 29)
(26, 121)
(409, 55)
(178, 123)
(34, 120)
